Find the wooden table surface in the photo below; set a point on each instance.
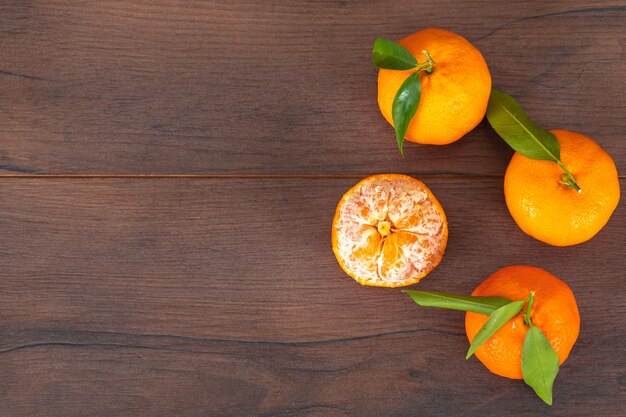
(169, 171)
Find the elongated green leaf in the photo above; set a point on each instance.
(404, 106)
(389, 55)
(513, 125)
(496, 320)
(540, 363)
(482, 305)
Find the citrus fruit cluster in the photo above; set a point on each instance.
(560, 187)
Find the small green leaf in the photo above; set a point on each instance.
(496, 320)
(390, 55)
(405, 105)
(513, 125)
(540, 364)
(482, 305)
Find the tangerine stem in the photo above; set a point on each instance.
(427, 66)
(570, 182)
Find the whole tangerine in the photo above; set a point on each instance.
(542, 204)
(454, 96)
(554, 312)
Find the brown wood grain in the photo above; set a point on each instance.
(221, 297)
(162, 87)
(169, 171)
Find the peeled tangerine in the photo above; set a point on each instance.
(389, 230)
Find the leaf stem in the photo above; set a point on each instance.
(529, 307)
(569, 181)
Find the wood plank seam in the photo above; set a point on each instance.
(248, 176)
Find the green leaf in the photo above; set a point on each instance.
(540, 363)
(390, 55)
(513, 125)
(405, 105)
(482, 305)
(496, 320)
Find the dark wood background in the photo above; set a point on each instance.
(168, 175)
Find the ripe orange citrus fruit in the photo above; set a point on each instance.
(554, 312)
(546, 209)
(389, 230)
(454, 97)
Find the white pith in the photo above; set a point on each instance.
(393, 201)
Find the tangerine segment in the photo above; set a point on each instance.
(454, 96)
(554, 312)
(548, 211)
(389, 230)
